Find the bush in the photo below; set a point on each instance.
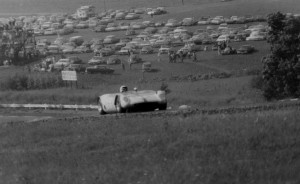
(24, 81)
(257, 82)
(164, 87)
(281, 72)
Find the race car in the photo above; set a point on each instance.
(132, 101)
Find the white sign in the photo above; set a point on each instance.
(69, 75)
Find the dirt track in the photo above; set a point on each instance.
(25, 115)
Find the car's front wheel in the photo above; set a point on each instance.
(100, 109)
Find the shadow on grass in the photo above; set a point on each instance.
(154, 70)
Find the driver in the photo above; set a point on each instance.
(123, 89)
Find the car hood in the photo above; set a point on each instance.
(140, 96)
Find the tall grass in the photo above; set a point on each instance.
(30, 81)
(247, 148)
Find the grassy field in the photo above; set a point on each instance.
(244, 148)
(191, 7)
(209, 62)
(217, 92)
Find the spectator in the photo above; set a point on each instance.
(170, 57)
(158, 56)
(205, 48)
(174, 57)
(181, 55)
(53, 60)
(123, 65)
(219, 48)
(194, 56)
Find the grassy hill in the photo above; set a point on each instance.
(9, 7)
(240, 149)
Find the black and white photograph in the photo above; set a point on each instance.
(149, 91)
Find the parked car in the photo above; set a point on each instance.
(111, 39)
(217, 21)
(61, 64)
(146, 67)
(239, 37)
(113, 60)
(80, 68)
(150, 30)
(120, 16)
(38, 32)
(256, 37)
(132, 16)
(177, 42)
(99, 28)
(77, 40)
(138, 25)
(130, 32)
(103, 69)
(110, 29)
(245, 49)
(135, 58)
(132, 101)
(189, 22)
(173, 23)
(75, 60)
(82, 49)
(119, 45)
(53, 49)
(125, 50)
(147, 50)
(228, 51)
(82, 25)
(97, 60)
(148, 23)
(50, 31)
(155, 12)
(65, 31)
(107, 51)
(68, 50)
(164, 50)
(223, 38)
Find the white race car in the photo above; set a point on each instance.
(132, 101)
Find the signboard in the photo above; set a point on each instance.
(69, 75)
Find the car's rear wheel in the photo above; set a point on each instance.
(119, 107)
(163, 106)
(100, 109)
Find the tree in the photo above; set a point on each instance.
(281, 69)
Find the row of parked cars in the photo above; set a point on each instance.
(152, 37)
(74, 63)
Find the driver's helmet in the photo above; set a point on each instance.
(123, 89)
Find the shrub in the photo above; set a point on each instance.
(24, 81)
(164, 87)
(281, 72)
(257, 82)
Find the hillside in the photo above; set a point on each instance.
(17, 7)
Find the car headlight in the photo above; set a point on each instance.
(126, 100)
(162, 95)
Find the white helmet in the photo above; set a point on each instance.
(123, 89)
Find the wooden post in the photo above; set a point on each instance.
(143, 74)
